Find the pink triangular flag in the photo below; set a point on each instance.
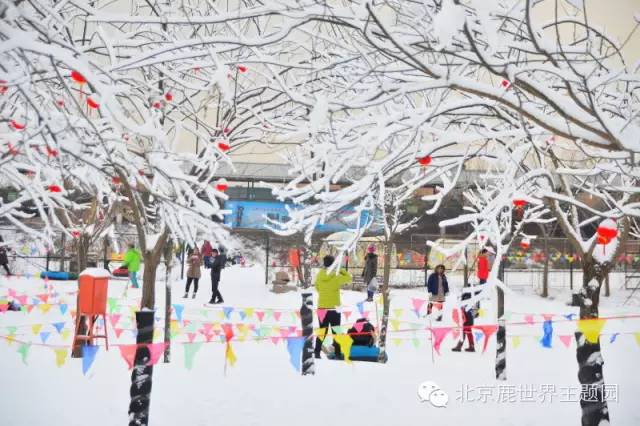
(128, 353)
(529, 319)
(191, 337)
(439, 333)
(488, 330)
(417, 304)
(155, 350)
(277, 315)
(321, 314)
(228, 331)
(274, 339)
(114, 318)
(260, 315)
(366, 314)
(547, 317)
(118, 331)
(284, 332)
(43, 297)
(358, 326)
(22, 299)
(346, 314)
(566, 339)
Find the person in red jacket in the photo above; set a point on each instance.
(482, 270)
(206, 252)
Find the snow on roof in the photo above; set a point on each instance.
(96, 272)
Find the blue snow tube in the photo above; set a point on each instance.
(58, 275)
(364, 353)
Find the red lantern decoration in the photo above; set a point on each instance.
(92, 104)
(222, 185)
(524, 244)
(505, 83)
(54, 188)
(519, 204)
(607, 231)
(75, 234)
(3, 87)
(226, 130)
(116, 180)
(168, 97)
(157, 105)
(242, 68)
(223, 146)
(77, 77)
(424, 161)
(17, 125)
(60, 103)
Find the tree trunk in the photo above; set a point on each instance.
(141, 375)
(149, 281)
(306, 318)
(594, 409)
(501, 335)
(545, 273)
(386, 302)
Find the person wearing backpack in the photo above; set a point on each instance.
(328, 286)
(132, 259)
(370, 271)
(217, 265)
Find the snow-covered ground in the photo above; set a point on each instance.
(263, 388)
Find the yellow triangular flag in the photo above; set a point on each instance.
(10, 338)
(65, 334)
(637, 334)
(61, 356)
(321, 332)
(221, 315)
(591, 328)
(515, 341)
(44, 307)
(248, 312)
(397, 341)
(36, 328)
(395, 325)
(397, 312)
(345, 341)
(231, 357)
(481, 313)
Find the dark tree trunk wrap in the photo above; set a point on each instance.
(141, 375)
(501, 351)
(590, 362)
(306, 317)
(385, 302)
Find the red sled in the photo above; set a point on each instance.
(120, 272)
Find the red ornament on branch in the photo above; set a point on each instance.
(519, 204)
(226, 130)
(60, 103)
(116, 180)
(12, 149)
(3, 87)
(54, 188)
(168, 97)
(77, 77)
(242, 68)
(75, 234)
(525, 243)
(424, 161)
(52, 152)
(222, 185)
(157, 104)
(17, 126)
(505, 83)
(223, 146)
(92, 104)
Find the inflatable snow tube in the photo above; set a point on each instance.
(58, 275)
(120, 272)
(364, 353)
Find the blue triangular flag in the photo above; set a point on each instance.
(134, 333)
(35, 301)
(88, 355)
(63, 308)
(59, 326)
(360, 306)
(569, 316)
(44, 335)
(479, 335)
(178, 309)
(547, 329)
(294, 347)
(243, 315)
(613, 337)
(227, 311)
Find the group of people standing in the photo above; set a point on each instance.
(212, 259)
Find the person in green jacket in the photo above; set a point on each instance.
(132, 259)
(328, 286)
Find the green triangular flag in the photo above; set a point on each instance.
(12, 329)
(190, 351)
(416, 342)
(23, 350)
(113, 304)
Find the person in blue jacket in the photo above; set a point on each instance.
(438, 288)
